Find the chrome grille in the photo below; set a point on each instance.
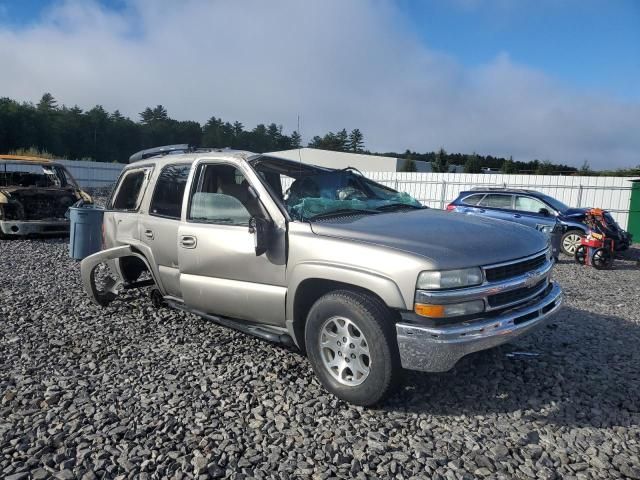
(503, 272)
(516, 295)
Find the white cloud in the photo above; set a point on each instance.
(338, 64)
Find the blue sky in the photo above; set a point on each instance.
(545, 79)
(588, 44)
(591, 45)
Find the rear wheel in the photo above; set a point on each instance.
(571, 241)
(351, 345)
(581, 255)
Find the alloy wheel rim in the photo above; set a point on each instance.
(344, 351)
(571, 242)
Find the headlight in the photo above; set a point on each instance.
(438, 280)
(451, 310)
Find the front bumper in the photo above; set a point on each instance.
(438, 349)
(32, 227)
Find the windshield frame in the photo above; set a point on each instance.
(265, 164)
(556, 204)
(65, 178)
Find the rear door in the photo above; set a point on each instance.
(121, 218)
(497, 205)
(159, 228)
(469, 204)
(220, 272)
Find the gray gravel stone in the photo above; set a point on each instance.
(133, 392)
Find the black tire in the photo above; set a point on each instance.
(581, 255)
(602, 259)
(374, 321)
(568, 244)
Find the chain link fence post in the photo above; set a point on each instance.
(443, 197)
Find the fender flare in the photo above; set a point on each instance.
(88, 269)
(383, 286)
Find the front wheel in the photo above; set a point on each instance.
(571, 241)
(351, 344)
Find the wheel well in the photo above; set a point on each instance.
(132, 268)
(310, 290)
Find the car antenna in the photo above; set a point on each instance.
(299, 145)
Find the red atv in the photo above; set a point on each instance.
(596, 249)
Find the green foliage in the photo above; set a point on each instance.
(409, 164)
(508, 166)
(106, 137)
(340, 141)
(585, 169)
(31, 152)
(472, 165)
(545, 168)
(441, 163)
(356, 141)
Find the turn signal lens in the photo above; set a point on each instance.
(450, 310)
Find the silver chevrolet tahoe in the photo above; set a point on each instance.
(362, 278)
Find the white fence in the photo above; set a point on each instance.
(93, 174)
(438, 189)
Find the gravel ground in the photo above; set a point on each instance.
(133, 392)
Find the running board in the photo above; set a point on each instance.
(139, 284)
(260, 331)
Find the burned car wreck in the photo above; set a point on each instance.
(35, 194)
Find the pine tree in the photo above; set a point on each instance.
(47, 103)
(342, 139)
(296, 140)
(508, 166)
(356, 141)
(585, 169)
(472, 165)
(441, 164)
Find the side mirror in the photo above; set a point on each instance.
(545, 212)
(262, 229)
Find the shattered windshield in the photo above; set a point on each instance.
(342, 191)
(33, 175)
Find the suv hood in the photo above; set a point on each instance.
(449, 240)
(575, 213)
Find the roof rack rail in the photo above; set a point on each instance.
(506, 187)
(175, 149)
(159, 151)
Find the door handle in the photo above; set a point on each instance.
(481, 210)
(516, 215)
(188, 241)
(149, 234)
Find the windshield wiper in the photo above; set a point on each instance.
(342, 211)
(394, 206)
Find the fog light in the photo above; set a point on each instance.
(450, 310)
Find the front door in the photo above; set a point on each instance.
(533, 213)
(220, 272)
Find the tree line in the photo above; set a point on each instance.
(441, 161)
(102, 136)
(95, 134)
